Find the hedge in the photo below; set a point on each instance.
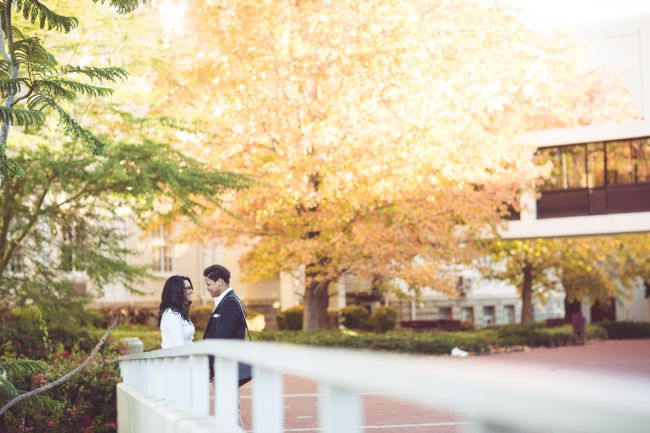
(438, 342)
(626, 330)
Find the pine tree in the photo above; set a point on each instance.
(33, 84)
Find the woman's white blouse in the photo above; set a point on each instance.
(174, 330)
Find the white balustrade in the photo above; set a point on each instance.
(168, 391)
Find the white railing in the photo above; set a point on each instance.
(168, 390)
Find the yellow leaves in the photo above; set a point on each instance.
(402, 107)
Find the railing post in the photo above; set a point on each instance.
(340, 410)
(226, 378)
(167, 384)
(200, 385)
(184, 383)
(174, 382)
(268, 401)
(157, 375)
(151, 378)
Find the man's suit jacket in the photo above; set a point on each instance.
(227, 319)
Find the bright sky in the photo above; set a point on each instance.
(562, 13)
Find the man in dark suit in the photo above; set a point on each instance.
(227, 319)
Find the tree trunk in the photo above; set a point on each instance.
(316, 301)
(527, 295)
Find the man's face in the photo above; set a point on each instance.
(213, 287)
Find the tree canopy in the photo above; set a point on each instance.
(33, 84)
(588, 267)
(64, 215)
(376, 129)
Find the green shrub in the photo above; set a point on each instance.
(438, 342)
(383, 319)
(354, 317)
(291, 318)
(86, 403)
(129, 314)
(595, 332)
(626, 330)
(25, 330)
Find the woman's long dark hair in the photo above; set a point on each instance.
(173, 296)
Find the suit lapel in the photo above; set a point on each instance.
(216, 310)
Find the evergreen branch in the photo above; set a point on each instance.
(39, 403)
(33, 9)
(122, 6)
(54, 89)
(30, 51)
(65, 377)
(112, 73)
(7, 85)
(17, 116)
(70, 126)
(22, 367)
(9, 167)
(75, 130)
(85, 89)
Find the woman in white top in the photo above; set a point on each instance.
(176, 328)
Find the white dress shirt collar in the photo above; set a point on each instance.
(218, 299)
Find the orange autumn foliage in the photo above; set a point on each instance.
(374, 129)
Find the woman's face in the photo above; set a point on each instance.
(188, 291)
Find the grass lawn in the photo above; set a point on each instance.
(150, 335)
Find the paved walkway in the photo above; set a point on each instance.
(385, 415)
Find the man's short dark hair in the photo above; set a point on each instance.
(215, 272)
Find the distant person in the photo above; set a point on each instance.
(176, 328)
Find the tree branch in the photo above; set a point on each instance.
(64, 378)
(13, 64)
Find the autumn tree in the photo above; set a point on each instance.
(375, 130)
(590, 267)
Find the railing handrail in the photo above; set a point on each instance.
(516, 395)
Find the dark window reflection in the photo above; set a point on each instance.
(620, 164)
(641, 155)
(596, 165)
(569, 167)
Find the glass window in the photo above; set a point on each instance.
(596, 165)
(574, 174)
(569, 166)
(552, 155)
(641, 155)
(444, 313)
(620, 164)
(467, 314)
(162, 259)
(17, 262)
(488, 316)
(509, 314)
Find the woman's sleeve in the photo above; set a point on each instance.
(171, 328)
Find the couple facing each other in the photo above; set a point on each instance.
(227, 320)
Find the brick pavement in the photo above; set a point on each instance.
(386, 415)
